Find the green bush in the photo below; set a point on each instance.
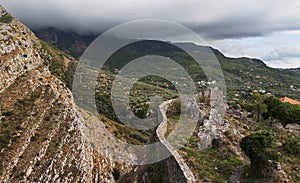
(218, 180)
(257, 147)
(56, 68)
(138, 137)
(4, 141)
(292, 146)
(175, 108)
(69, 75)
(142, 112)
(33, 138)
(288, 113)
(38, 163)
(6, 18)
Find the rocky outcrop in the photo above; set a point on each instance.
(45, 140)
(47, 144)
(19, 50)
(211, 131)
(273, 169)
(295, 128)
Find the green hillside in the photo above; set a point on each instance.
(242, 75)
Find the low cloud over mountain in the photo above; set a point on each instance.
(216, 19)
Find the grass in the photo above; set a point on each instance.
(249, 177)
(208, 164)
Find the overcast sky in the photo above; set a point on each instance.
(265, 29)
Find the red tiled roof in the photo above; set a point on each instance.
(289, 100)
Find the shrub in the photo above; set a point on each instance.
(284, 112)
(4, 141)
(19, 128)
(142, 112)
(38, 163)
(175, 108)
(47, 118)
(257, 147)
(70, 74)
(7, 113)
(6, 18)
(216, 179)
(138, 137)
(292, 146)
(33, 138)
(116, 174)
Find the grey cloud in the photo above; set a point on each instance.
(216, 19)
(282, 53)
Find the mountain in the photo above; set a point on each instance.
(242, 75)
(222, 159)
(40, 135)
(68, 41)
(295, 69)
(46, 137)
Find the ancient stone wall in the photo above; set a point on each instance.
(178, 171)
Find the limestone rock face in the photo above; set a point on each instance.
(210, 132)
(19, 50)
(40, 126)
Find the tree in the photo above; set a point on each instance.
(272, 103)
(287, 113)
(256, 104)
(257, 147)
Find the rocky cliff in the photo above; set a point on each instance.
(40, 137)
